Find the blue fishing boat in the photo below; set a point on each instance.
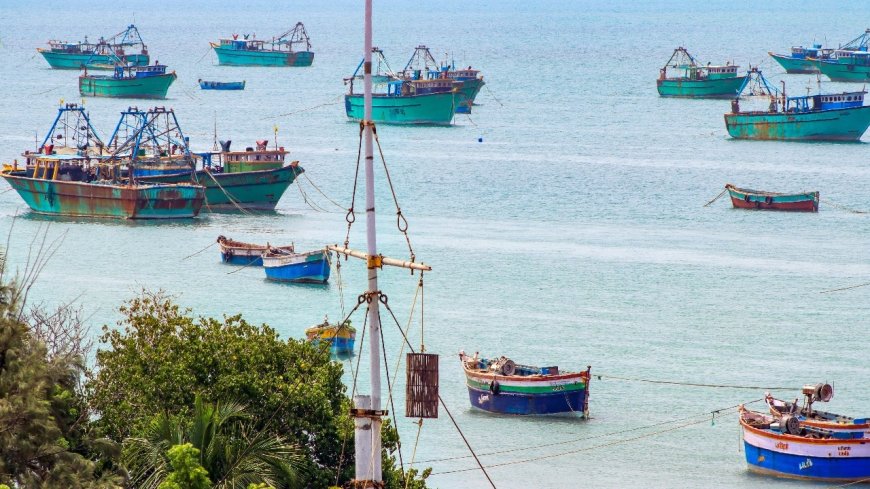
(499, 385)
(246, 254)
(794, 443)
(826, 117)
(339, 337)
(215, 85)
(309, 267)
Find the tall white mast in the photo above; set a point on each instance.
(368, 408)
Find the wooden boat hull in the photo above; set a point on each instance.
(246, 254)
(259, 190)
(154, 87)
(79, 199)
(796, 65)
(208, 85)
(782, 455)
(846, 124)
(709, 88)
(341, 340)
(239, 57)
(845, 72)
(433, 108)
(75, 61)
(528, 396)
(801, 202)
(311, 267)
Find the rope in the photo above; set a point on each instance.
(304, 110)
(350, 217)
(203, 56)
(690, 384)
(861, 481)
(230, 197)
(844, 288)
(716, 198)
(584, 438)
(586, 449)
(401, 222)
(305, 198)
(414, 451)
(321, 191)
(246, 265)
(390, 392)
(486, 86)
(842, 207)
(198, 252)
(441, 400)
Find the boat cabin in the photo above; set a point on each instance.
(71, 48)
(465, 74)
(852, 57)
(243, 44)
(252, 159)
(127, 72)
(838, 101)
(717, 72)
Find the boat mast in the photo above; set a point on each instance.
(367, 413)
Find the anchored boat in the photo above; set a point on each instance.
(743, 198)
(215, 85)
(101, 55)
(826, 117)
(846, 66)
(422, 65)
(694, 80)
(128, 82)
(339, 337)
(499, 385)
(286, 266)
(782, 447)
(247, 254)
(81, 179)
(807, 60)
(279, 51)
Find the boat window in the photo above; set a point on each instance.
(849, 98)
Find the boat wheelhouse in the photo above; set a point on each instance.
(150, 81)
(847, 66)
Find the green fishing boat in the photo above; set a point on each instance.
(128, 82)
(821, 117)
(279, 51)
(696, 81)
(847, 66)
(422, 65)
(101, 55)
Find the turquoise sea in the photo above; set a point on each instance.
(573, 235)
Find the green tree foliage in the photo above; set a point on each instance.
(186, 473)
(228, 448)
(44, 438)
(392, 472)
(162, 356)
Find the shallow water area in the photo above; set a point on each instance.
(573, 235)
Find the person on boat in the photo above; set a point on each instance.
(735, 106)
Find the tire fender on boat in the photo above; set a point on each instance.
(494, 387)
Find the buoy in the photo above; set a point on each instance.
(480, 140)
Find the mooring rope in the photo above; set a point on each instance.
(716, 198)
(305, 109)
(198, 252)
(844, 288)
(692, 384)
(842, 207)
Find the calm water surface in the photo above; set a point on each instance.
(574, 234)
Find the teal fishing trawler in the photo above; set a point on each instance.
(422, 65)
(407, 101)
(807, 60)
(255, 178)
(128, 82)
(847, 66)
(101, 55)
(73, 174)
(279, 51)
(696, 81)
(827, 117)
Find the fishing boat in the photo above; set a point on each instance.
(215, 85)
(806, 60)
(128, 82)
(279, 51)
(247, 254)
(499, 385)
(381, 71)
(743, 198)
(810, 417)
(287, 266)
(101, 55)
(802, 60)
(339, 337)
(79, 178)
(422, 65)
(846, 66)
(782, 446)
(694, 80)
(825, 117)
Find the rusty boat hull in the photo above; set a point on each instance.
(846, 124)
(742, 198)
(104, 200)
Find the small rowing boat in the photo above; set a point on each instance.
(340, 337)
(743, 198)
(239, 253)
(216, 85)
(288, 266)
(499, 385)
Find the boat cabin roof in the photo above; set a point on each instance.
(722, 69)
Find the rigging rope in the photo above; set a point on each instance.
(716, 198)
(691, 384)
(401, 222)
(350, 217)
(390, 392)
(305, 174)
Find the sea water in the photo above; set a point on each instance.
(574, 234)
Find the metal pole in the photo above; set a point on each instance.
(370, 470)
